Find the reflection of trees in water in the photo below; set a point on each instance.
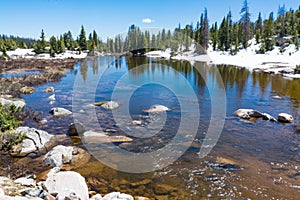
(83, 70)
(231, 76)
(234, 76)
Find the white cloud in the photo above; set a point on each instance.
(147, 21)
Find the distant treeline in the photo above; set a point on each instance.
(228, 36)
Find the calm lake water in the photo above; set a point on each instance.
(268, 153)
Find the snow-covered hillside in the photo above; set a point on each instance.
(271, 62)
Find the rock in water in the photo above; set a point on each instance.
(117, 196)
(49, 90)
(19, 103)
(60, 112)
(59, 155)
(248, 113)
(35, 139)
(108, 105)
(66, 183)
(157, 109)
(52, 97)
(266, 116)
(136, 122)
(76, 129)
(27, 90)
(297, 127)
(285, 118)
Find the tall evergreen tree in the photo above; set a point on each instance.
(245, 19)
(82, 39)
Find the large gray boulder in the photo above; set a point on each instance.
(19, 103)
(60, 112)
(59, 155)
(35, 139)
(66, 183)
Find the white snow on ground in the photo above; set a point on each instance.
(29, 53)
(159, 54)
(270, 62)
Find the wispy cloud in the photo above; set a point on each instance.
(147, 21)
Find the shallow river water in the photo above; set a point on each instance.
(264, 156)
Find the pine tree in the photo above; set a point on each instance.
(268, 33)
(281, 20)
(53, 46)
(82, 39)
(246, 23)
(258, 28)
(61, 45)
(205, 31)
(43, 41)
(95, 39)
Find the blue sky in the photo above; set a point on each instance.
(27, 17)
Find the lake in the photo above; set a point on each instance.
(261, 157)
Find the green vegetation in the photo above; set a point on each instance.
(297, 69)
(9, 139)
(9, 122)
(7, 119)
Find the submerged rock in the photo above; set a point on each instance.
(59, 155)
(60, 112)
(76, 129)
(157, 109)
(49, 90)
(94, 137)
(297, 127)
(66, 183)
(108, 105)
(35, 139)
(52, 97)
(18, 103)
(285, 118)
(27, 90)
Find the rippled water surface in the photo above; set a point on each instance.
(267, 154)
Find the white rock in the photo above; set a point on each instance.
(60, 112)
(285, 118)
(110, 105)
(3, 179)
(117, 196)
(26, 181)
(248, 113)
(157, 109)
(67, 195)
(136, 122)
(37, 139)
(18, 103)
(66, 182)
(59, 155)
(266, 116)
(52, 97)
(97, 197)
(1, 192)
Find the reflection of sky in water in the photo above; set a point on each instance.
(243, 90)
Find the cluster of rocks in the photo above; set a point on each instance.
(59, 185)
(250, 113)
